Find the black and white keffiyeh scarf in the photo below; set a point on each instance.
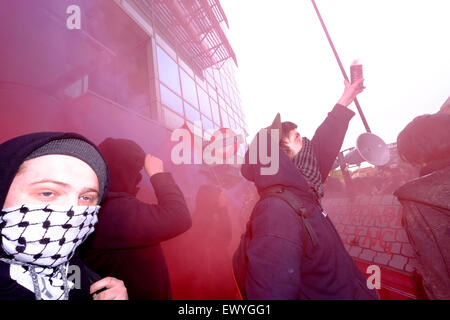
(39, 242)
(306, 161)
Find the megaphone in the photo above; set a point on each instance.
(370, 148)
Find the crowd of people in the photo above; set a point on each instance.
(72, 226)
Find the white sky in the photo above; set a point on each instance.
(286, 64)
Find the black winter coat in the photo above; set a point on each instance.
(126, 241)
(281, 265)
(426, 218)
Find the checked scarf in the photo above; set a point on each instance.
(306, 161)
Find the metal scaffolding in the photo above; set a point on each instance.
(193, 27)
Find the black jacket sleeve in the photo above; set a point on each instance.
(329, 136)
(126, 222)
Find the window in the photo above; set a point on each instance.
(215, 112)
(225, 85)
(232, 123)
(195, 129)
(209, 77)
(208, 125)
(222, 103)
(218, 84)
(216, 76)
(171, 100)
(204, 102)
(168, 70)
(212, 92)
(226, 123)
(191, 114)
(41, 52)
(188, 85)
(171, 119)
(235, 115)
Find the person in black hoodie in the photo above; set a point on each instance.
(127, 240)
(51, 185)
(425, 142)
(284, 255)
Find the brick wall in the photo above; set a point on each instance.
(371, 229)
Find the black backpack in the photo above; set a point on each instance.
(240, 258)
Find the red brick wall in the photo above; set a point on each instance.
(371, 229)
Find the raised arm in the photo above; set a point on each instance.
(132, 223)
(329, 136)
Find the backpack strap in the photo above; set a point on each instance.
(293, 201)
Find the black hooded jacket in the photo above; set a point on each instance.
(281, 264)
(126, 242)
(426, 218)
(12, 154)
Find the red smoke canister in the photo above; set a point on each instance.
(356, 73)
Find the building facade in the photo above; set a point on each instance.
(134, 69)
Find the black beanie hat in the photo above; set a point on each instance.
(17, 150)
(78, 149)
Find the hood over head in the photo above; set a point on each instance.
(125, 159)
(255, 167)
(431, 189)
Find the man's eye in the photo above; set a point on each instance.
(47, 194)
(91, 199)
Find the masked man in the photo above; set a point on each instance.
(51, 185)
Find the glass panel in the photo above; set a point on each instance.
(188, 85)
(232, 123)
(233, 97)
(195, 129)
(171, 100)
(168, 70)
(235, 115)
(209, 77)
(208, 125)
(204, 102)
(212, 92)
(124, 79)
(218, 83)
(216, 76)
(225, 85)
(172, 120)
(215, 112)
(191, 113)
(222, 103)
(231, 107)
(227, 108)
(225, 122)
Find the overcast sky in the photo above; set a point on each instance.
(286, 64)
